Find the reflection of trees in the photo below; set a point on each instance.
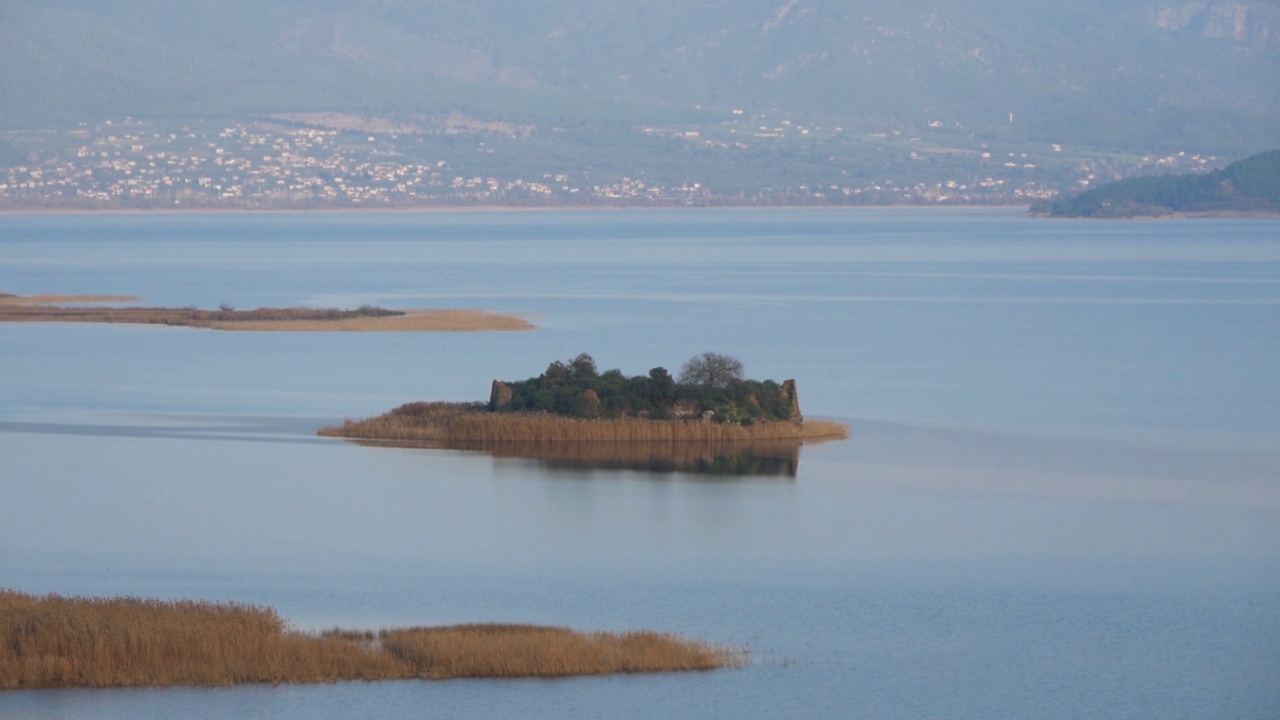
(722, 459)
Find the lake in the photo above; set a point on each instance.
(1061, 497)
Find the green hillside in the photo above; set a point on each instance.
(1250, 185)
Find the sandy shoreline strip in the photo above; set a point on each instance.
(411, 321)
(52, 299)
(56, 308)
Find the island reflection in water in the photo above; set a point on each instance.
(772, 458)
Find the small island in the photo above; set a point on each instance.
(573, 403)
(1248, 187)
(76, 642)
(366, 318)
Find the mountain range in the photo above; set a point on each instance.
(1132, 74)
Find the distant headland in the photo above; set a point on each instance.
(366, 318)
(572, 402)
(1248, 187)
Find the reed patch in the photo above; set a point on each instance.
(458, 424)
(56, 642)
(534, 651)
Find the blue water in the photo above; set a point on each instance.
(1061, 498)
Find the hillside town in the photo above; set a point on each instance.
(306, 163)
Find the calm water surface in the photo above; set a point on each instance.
(1061, 498)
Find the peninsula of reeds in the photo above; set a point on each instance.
(574, 403)
(367, 318)
(62, 642)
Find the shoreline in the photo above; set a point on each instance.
(512, 209)
(53, 308)
(58, 299)
(466, 424)
(1206, 215)
(532, 210)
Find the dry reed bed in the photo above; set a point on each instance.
(97, 642)
(531, 651)
(52, 641)
(458, 423)
(263, 319)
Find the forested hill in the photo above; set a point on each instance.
(1250, 185)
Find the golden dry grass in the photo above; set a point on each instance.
(56, 641)
(36, 309)
(454, 424)
(533, 651)
(53, 641)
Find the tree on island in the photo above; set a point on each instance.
(711, 370)
(583, 366)
(662, 386)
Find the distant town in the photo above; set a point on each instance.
(335, 161)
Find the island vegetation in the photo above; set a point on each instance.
(572, 402)
(61, 642)
(1251, 185)
(366, 318)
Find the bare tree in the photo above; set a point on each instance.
(712, 370)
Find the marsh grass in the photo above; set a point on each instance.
(57, 641)
(53, 641)
(456, 424)
(534, 651)
(363, 319)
